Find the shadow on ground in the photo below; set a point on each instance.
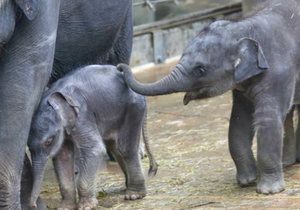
(195, 167)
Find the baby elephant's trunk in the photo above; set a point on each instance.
(153, 164)
(39, 167)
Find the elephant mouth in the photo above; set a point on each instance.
(197, 94)
(186, 99)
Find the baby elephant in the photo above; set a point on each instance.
(79, 117)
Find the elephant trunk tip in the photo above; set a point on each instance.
(33, 200)
(33, 203)
(186, 100)
(122, 66)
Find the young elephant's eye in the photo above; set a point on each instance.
(48, 142)
(199, 71)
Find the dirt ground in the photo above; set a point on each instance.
(195, 167)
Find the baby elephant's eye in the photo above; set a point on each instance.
(48, 142)
(198, 71)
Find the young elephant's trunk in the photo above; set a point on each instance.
(153, 164)
(172, 83)
(39, 167)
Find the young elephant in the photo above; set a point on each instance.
(258, 58)
(79, 117)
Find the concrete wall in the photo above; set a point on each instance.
(156, 42)
(248, 5)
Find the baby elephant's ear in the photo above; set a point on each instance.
(29, 7)
(58, 99)
(66, 108)
(251, 60)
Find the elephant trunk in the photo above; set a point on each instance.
(39, 167)
(171, 83)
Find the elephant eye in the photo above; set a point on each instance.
(199, 71)
(48, 142)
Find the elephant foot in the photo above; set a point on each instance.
(288, 158)
(246, 180)
(66, 205)
(134, 195)
(87, 203)
(270, 184)
(246, 174)
(288, 162)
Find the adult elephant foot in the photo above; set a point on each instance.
(87, 203)
(134, 195)
(270, 184)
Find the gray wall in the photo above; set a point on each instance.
(156, 42)
(248, 5)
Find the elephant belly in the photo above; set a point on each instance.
(87, 30)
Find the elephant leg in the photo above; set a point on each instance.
(269, 125)
(64, 168)
(112, 147)
(128, 152)
(122, 48)
(26, 186)
(298, 135)
(289, 141)
(241, 134)
(91, 155)
(25, 67)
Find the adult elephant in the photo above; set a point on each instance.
(257, 58)
(36, 35)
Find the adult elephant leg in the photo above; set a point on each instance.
(289, 141)
(240, 139)
(25, 67)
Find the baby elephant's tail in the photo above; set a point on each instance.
(153, 164)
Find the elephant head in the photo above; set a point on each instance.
(8, 16)
(215, 61)
(54, 117)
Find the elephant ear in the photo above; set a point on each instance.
(29, 7)
(251, 60)
(66, 108)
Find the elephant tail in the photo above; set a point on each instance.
(152, 162)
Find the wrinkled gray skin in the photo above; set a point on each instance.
(34, 34)
(291, 152)
(255, 57)
(291, 142)
(81, 110)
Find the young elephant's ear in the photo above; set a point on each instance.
(251, 60)
(29, 7)
(66, 108)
